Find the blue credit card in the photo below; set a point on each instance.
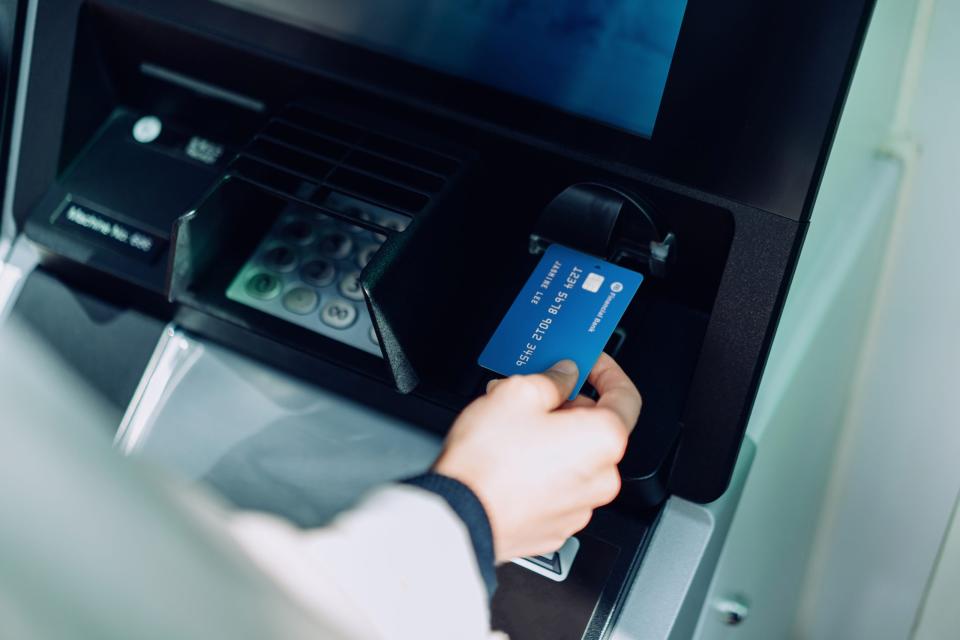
(567, 310)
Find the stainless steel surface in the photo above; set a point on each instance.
(800, 407)
(668, 592)
(7, 226)
(14, 269)
(261, 439)
(16, 265)
(174, 354)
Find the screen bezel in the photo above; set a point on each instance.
(748, 112)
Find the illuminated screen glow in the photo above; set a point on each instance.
(607, 60)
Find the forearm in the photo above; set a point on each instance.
(401, 564)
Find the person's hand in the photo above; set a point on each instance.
(540, 465)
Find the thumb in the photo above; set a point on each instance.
(563, 376)
(547, 390)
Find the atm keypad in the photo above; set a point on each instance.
(262, 286)
(307, 271)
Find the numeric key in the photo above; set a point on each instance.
(339, 314)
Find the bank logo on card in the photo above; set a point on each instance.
(564, 311)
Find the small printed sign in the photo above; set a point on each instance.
(109, 231)
(553, 566)
(203, 150)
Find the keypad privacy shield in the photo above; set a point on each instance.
(307, 271)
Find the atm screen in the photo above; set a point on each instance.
(606, 60)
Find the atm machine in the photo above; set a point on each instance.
(276, 234)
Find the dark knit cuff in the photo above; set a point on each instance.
(469, 509)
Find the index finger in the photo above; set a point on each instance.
(617, 391)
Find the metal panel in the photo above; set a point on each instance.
(262, 439)
(17, 20)
(668, 592)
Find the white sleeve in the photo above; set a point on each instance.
(399, 565)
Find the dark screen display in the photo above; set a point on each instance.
(607, 60)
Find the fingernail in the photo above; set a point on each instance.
(565, 367)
